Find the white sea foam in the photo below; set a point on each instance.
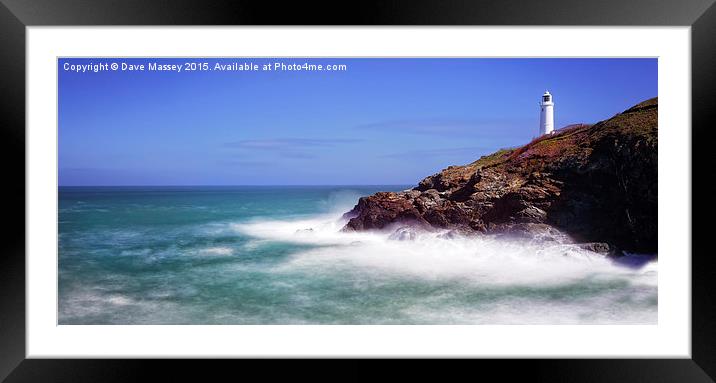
(98, 306)
(119, 300)
(322, 230)
(218, 250)
(482, 259)
(601, 309)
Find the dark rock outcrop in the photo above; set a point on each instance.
(597, 183)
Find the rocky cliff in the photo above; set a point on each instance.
(596, 183)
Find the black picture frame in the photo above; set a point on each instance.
(16, 15)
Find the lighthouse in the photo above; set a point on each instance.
(546, 116)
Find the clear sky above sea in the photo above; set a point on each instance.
(380, 121)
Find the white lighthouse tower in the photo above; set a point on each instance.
(546, 116)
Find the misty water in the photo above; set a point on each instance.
(276, 255)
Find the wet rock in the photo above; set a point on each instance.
(456, 233)
(597, 247)
(404, 234)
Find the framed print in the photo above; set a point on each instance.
(417, 181)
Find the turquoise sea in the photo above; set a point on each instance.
(276, 255)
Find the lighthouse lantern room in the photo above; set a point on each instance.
(546, 117)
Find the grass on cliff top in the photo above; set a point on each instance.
(493, 159)
(548, 145)
(639, 121)
(650, 103)
(562, 142)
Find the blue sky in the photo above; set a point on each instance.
(381, 121)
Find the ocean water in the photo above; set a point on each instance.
(276, 255)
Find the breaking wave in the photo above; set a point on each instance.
(482, 260)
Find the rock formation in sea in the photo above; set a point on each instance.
(596, 183)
